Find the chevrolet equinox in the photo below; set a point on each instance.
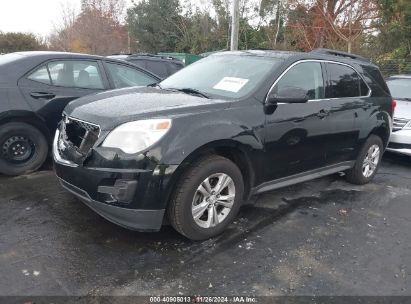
(194, 147)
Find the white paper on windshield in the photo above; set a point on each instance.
(231, 84)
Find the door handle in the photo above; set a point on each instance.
(323, 113)
(40, 95)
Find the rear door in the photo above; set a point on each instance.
(346, 95)
(51, 86)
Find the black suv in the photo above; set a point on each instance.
(159, 65)
(229, 126)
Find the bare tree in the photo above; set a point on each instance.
(96, 29)
(64, 32)
(349, 19)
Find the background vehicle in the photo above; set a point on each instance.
(400, 140)
(34, 89)
(162, 66)
(226, 127)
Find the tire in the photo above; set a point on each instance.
(28, 141)
(187, 196)
(359, 175)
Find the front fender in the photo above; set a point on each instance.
(240, 128)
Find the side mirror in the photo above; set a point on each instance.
(288, 95)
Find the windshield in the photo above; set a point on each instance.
(226, 76)
(400, 88)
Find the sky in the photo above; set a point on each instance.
(34, 16)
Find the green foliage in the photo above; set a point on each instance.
(155, 25)
(391, 48)
(15, 42)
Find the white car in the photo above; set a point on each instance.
(400, 140)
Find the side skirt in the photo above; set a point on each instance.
(302, 177)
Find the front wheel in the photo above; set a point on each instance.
(23, 148)
(368, 161)
(207, 198)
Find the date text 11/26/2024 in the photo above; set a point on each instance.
(202, 299)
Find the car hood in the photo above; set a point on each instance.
(111, 108)
(403, 109)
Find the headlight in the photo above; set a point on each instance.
(136, 136)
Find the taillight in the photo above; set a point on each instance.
(393, 105)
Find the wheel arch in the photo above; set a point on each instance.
(383, 132)
(379, 123)
(229, 149)
(29, 118)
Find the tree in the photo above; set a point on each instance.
(15, 42)
(330, 23)
(391, 46)
(155, 25)
(97, 29)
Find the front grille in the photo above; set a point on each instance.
(80, 135)
(399, 123)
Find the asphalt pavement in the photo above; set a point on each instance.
(323, 237)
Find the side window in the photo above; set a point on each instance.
(40, 75)
(157, 67)
(172, 68)
(124, 76)
(343, 81)
(305, 76)
(76, 74)
(139, 63)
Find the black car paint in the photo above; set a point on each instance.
(248, 130)
(16, 90)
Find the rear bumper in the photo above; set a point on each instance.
(400, 142)
(134, 219)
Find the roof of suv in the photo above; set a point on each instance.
(324, 54)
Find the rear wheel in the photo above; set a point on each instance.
(23, 148)
(207, 198)
(368, 161)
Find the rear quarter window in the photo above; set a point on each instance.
(376, 77)
(344, 81)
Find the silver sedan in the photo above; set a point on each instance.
(400, 140)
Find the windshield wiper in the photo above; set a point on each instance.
(154, 85)
(403, 98)
(193, 92)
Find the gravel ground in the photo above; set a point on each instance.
(323, 237)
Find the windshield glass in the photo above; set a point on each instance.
(400, 88)
(226, 76)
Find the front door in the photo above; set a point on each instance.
(294, 132)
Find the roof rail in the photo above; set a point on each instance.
(338, 53)
(154, 56)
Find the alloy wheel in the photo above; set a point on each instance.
(371, 161)
(213, 200)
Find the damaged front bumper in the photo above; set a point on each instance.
(133, 197)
